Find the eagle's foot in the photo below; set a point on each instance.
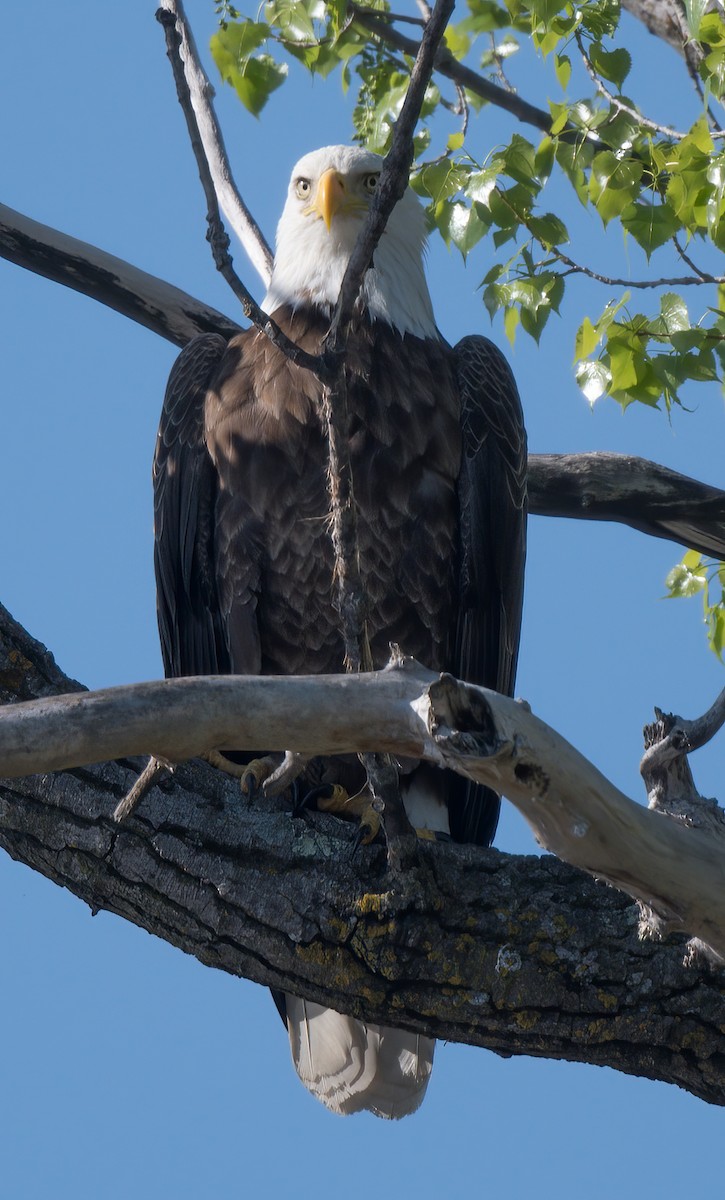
(273, 774)
(216, 759)
(334, 799)
(286, 774)
(256, 772)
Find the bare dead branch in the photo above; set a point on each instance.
(201, 96)
(152, 302)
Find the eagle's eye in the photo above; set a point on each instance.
(302, 187)
(370, 182)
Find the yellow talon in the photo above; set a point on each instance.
(255, 773)
(359, 807)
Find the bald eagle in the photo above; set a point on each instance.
(244, 563)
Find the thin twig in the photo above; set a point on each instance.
(405, 19)
(611, 281)
(351, 599)
(391, 187)
(704, 276)
(449, 66)
(201, 95)
(620, 105)
(395, 172)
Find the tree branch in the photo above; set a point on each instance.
(573, 810)
(152, 302)
(522, 955)
(216, 234)
(634, 491)
(200, 97)
(449, 66)
(395, 174)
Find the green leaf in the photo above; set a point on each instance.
(683, 581)
(651, 225)
(480, 184)
(562, 67)
(544, 11)
(465, 226)
(293, 21)
(602, 18)
(510, 323)
(587, 339)
(695, 11)
(441, 180)
(593, 378)
(549, 230)
(613, 183)
(614, 65)
(673, 311)
(519, 164)
(253, 77)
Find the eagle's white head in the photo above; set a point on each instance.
(327, 201)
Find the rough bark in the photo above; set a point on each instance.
(665, 19)
(521, 955)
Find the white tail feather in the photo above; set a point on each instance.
(352, 1067)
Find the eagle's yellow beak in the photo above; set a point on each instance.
(331, 195)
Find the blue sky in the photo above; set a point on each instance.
(127, 1067)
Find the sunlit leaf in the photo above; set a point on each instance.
(593, 378)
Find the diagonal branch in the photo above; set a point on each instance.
(200, 97)
(158, 305)
(377, 24)
(216, 234)
(606, 487)
(395, 174)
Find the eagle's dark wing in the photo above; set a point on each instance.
(193, 637)
(492, 508)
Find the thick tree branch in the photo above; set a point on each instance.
(520, 955)
(634, 491)
(572, 808)
(161, 307)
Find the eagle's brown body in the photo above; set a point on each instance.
(265, 437)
